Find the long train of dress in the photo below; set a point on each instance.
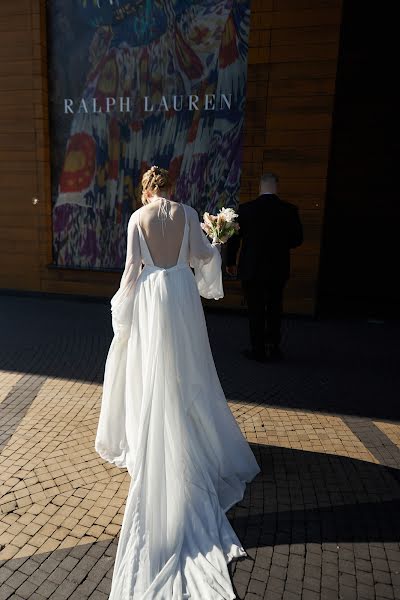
(165, 418)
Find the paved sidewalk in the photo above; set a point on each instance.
(322, 520)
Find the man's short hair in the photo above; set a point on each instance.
(269, 177)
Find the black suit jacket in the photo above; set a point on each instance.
(269, 227)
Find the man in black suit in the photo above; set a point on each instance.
(269, 228)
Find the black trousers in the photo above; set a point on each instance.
(264, 303)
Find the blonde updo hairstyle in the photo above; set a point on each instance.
(155, 181)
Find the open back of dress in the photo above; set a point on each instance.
(163, 232)
(164, 417)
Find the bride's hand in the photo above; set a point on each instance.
(218, 245)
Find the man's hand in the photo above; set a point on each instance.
(232, 270)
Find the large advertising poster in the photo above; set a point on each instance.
(132, 84)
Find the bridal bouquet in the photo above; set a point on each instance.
(220, 227)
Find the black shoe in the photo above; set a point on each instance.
(274, 352)
(251, 355)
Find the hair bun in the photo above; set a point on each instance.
(155, 179)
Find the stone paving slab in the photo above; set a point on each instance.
(322, 519)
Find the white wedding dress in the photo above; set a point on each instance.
(165, 418)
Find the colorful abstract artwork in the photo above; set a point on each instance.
(136, 83)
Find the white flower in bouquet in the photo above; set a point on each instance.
(229, 214)
(220, 227)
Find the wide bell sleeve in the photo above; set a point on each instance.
(122, 301)
(111, 440)
(205, 259)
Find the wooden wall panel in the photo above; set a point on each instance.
(19, 231)
(289, 117)
(291, 83)
(359, 257)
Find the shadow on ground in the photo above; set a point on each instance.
(309, 521)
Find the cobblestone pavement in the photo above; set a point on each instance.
(322, 519)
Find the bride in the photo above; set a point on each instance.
(164, 415)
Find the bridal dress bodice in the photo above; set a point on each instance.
(191, 247)
(164, 417)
